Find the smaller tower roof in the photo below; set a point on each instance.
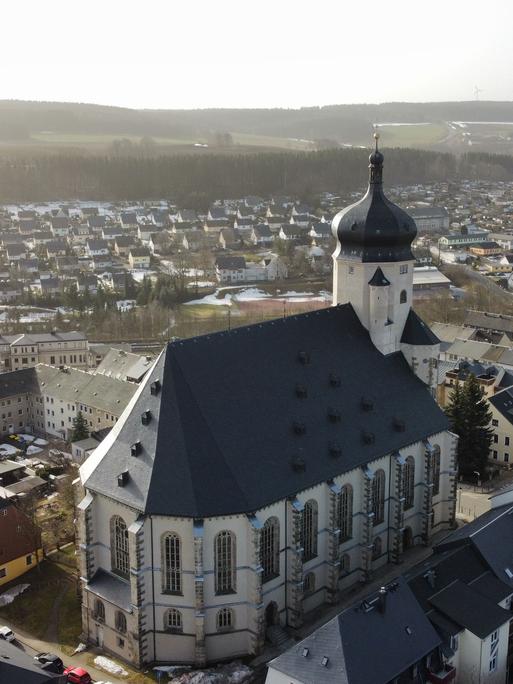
(379, 279)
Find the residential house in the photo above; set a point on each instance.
(292, 232)
(61, 226)
(122, 245)
(125, 366)
(139, 257)
(97, 247)
(129, 220)
(56, 248)
(216, 213)
(215, 226)
(15, 252)
(112, 231)
(20, 541)
(10, 291)
(97, 223)
(66, 264)
(230, 269)
(261, 235)
(186, 216)
(56, 348)
(430, 219)
(229, 238)
(485, 249)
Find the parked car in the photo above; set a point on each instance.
(50, 662)
(7, 633)
(77, 675)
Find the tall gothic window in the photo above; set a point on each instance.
(345, 513)
(377, 548)
(403, 297)
(309, 583)
(270, 549)
(224, 555)
(309, 530)
(173, 620)
(409, 482)
(119, 546)
(436, 469)
(120, 622)
(378, 497)
(171, 563)
(99, 611)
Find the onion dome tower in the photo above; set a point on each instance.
(373, 261)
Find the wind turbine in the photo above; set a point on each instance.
(477, 91)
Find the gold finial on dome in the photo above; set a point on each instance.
(376, 138)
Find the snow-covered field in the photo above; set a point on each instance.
(254, 294)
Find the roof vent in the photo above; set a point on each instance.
(301, 392)
(335, 449)
(368, 437)
(408, 630)
(399, 425)
(298, 464)
(334, 415)
(155, 387)
(367, 404)
(334, 380)
(135, 449)
(325, 660)
(146, 418)
(299, 427)
(303, 357)
(123, 478)
(305, 651)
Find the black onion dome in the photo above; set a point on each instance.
(374, 229)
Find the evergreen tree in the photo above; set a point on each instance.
(80, 429)
(470, 419)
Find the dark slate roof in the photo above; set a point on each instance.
(16, 382)
(230, 262)
(21, 668)
(111, 588)
(428, 212)
(379, 279)
(374, 229)
(362, 644)
(503, 402)
(489, 321)
(468, 608)
(222, 435)
(417, 332)
(490, 535)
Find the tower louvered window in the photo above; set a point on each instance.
(224, 553)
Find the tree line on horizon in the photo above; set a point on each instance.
(194, 180)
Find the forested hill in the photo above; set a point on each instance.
(195, 180)
(434, 124)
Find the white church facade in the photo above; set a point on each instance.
(259, 473)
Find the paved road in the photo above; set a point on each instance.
(33, 646)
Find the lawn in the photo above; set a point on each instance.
(32, 611)
(411, 136)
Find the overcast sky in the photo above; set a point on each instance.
(244, 53)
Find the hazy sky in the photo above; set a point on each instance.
(247, 53)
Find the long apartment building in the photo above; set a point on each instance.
(56, 348)
(46, 399)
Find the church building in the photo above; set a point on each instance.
(259, 473)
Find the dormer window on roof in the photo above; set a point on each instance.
(155, 387)
(135, 449)
(146, 418)
(123, 478)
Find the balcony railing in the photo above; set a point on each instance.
(442, 676)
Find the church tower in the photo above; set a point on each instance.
(373, 271)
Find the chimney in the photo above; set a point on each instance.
(382, 599)
(431, 578)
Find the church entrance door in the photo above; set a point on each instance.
(271, 614)
(407, 538)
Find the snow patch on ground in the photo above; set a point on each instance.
(40, 442)
(110, 666)
(254, 294)
(33, 450)
(8, 449)
(27, 438)
(232, 673)
(9, 595)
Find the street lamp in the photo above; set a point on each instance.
(478, 476)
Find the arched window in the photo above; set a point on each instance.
(309, 530)
(403, 297)
(119, 546)
(345, 513)
(270, 549)
(120, 622)
(345, 565)
(99, 611)
(409, 482)
(173, 620)
(378, 497)
(224, 619)
(171, 563)
(309, 584)
(377, 548)
(224, 555)
(435, 455)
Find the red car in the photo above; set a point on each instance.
(77, 675)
